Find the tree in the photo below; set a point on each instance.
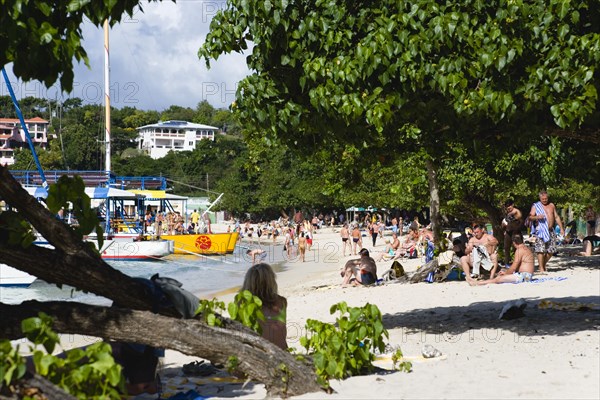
(42, 39)
(204, 113)
(177, 113)
(392, 77)
(82, 147)
(73, 262)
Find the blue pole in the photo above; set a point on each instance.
(24, 125)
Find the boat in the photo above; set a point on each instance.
(133, 250)
(12, 277)
(204, 243)
(124, 248)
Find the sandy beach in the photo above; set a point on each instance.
(552, 352)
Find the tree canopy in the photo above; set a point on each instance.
(42, 38)
(380, 80)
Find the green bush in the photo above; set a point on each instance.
(347, 347)
(86, 373)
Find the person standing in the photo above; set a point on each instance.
(544, 217)
(374, 232)
(356, 239)
(590, 217)
(512, 224)
(345, 234)
(195, 217)
(302, 246)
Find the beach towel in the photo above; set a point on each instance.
(429, 251)
(549, 278)
(540, 228)
(481, 258)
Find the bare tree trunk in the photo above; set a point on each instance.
(434, 202)
(258, 358)
(74, 263)
(494, 214)
(30, 382)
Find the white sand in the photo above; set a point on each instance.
(547, 354)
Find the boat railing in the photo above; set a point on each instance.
(139, 182)
(34, 178)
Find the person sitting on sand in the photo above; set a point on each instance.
(395, 242)
(260, 281)
(591, 244)
(480, 252)
(521, 270)
(387, 253)
(409, 245)
(256, 255)
(360, 271)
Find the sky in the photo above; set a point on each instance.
(153, 61)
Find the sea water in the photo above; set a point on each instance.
(201, 275)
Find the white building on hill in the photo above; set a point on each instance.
(160, 138)
(12, 136)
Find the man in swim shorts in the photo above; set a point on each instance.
(356, 239)
(521, 269)
(544, 217)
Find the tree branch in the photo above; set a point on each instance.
(259, 358)
(60, 235)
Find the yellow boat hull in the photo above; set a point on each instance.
(204, 243)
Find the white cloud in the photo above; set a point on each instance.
(154, 62)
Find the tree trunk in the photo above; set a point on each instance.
(494, 214)
(72, 262)
(258, 358)
(434, 202)
(35, 385)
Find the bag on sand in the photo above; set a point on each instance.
(398, 269)
(395, 272)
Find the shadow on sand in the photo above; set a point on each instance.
(457, 320)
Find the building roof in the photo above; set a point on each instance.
(178, 125)
(35, 119)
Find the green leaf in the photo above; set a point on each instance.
(232, 308)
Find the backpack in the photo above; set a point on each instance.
(412, 253)
(395, 272)
(168, 293)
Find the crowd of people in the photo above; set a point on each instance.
(528, 238)
(475, 251)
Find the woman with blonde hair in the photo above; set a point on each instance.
(260, 281)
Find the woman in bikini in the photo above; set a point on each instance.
(260, 281)
(302, 245)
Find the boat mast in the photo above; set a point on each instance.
(106, 99)
(107, 119)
